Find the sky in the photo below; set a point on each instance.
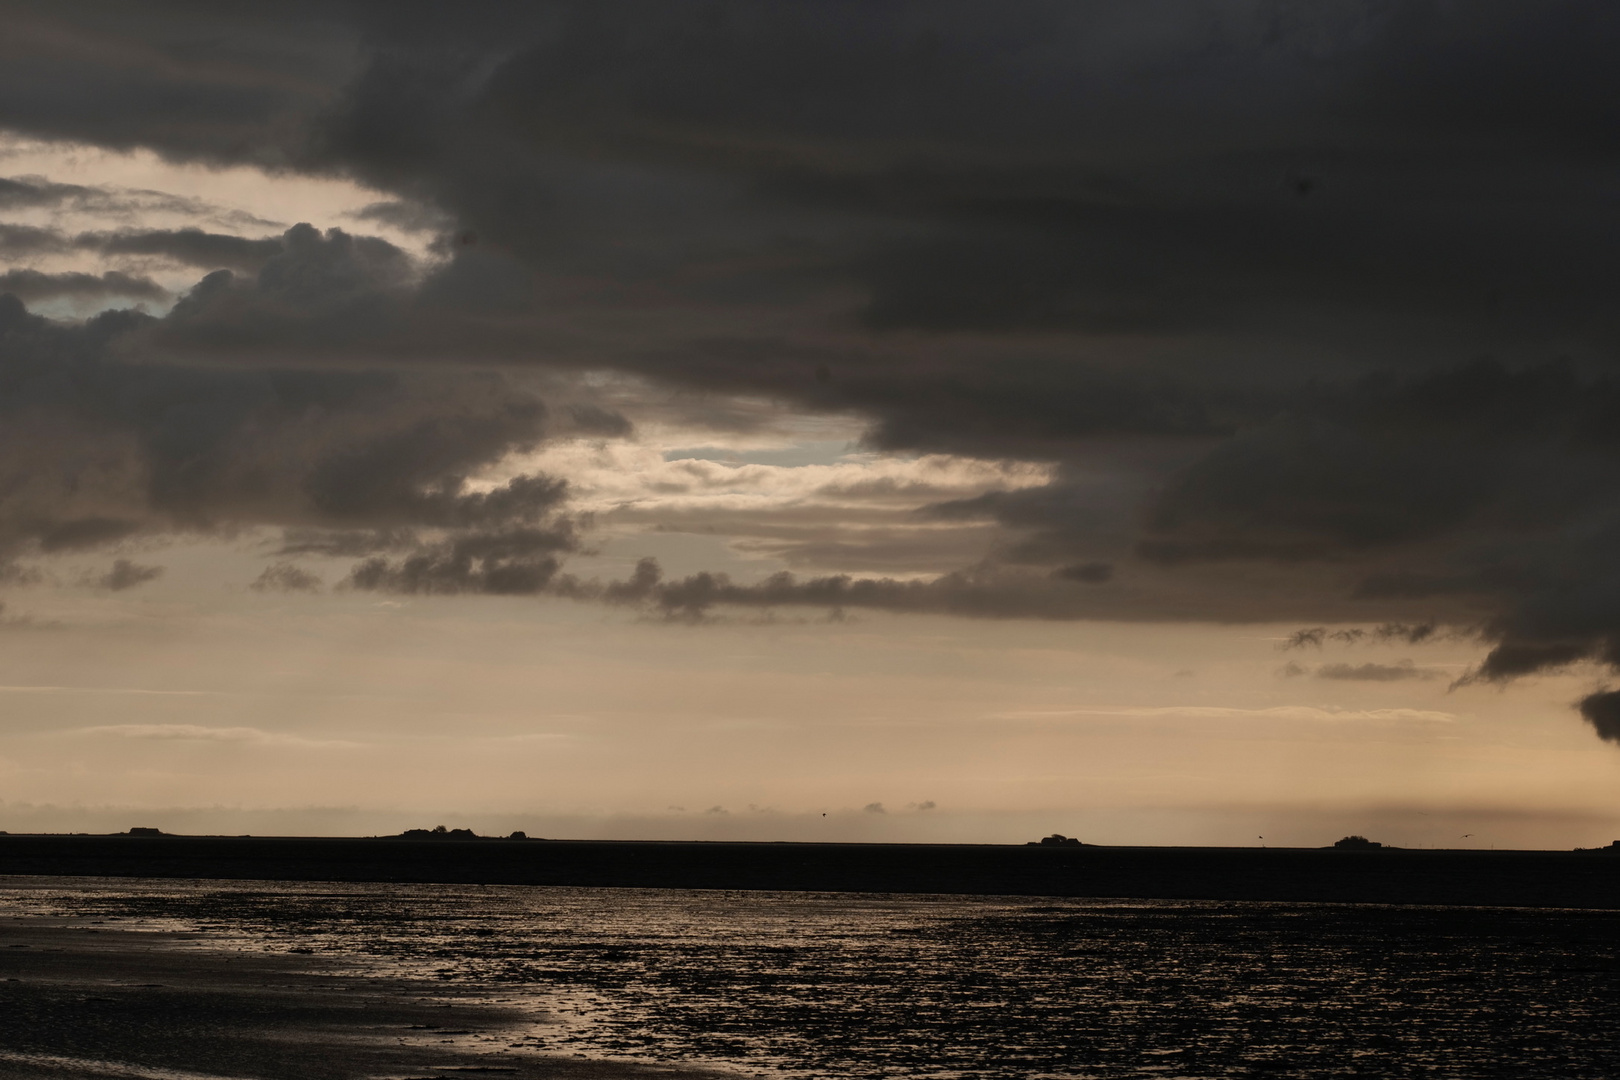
(1159, 423)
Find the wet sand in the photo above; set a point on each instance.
(78, 1000)
(275, 979)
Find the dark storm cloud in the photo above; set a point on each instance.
(1238, 183)
(513, 562)
(1229, 266)
(1106, 168)
(1602, 711)
(286, 577)
(345, 543)
(219, 82)
(1238, 170)
(126, 575)
(1316, 636)
(1092, 573)
(595, 420)
(86, 533)
(26, 240)
(29, 192)
(1391, 460)
(323, 292)
(980, 592)
(189, 247)
(36, 193)
(410, 216)
(1368, 672)
(1485, 491)
(962, 593)
(95, 448)
(34, 285)
(1371, 672)
(414, 476)
(185, 247)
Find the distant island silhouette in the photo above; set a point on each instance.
(439, 832)
(1361, 871)
(1612, 848)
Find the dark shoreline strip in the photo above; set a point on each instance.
(80, 1001)
(1387, 876)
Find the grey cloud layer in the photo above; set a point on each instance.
(1366, 672)
(1233, 266)
(187, 247)
(33, 285)
(97, 448)
(126, 575)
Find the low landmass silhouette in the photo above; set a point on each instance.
(1348, 873)
(439, 832)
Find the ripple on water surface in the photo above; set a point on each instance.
(806, 985)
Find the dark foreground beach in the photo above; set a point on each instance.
(193, 958)
(1377, 876)
(263, 980)
(81, 1000)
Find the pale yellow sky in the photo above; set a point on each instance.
(195, 694)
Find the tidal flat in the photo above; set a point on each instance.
(183, 980)
(82, 997)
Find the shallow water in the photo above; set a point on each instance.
(841, 985)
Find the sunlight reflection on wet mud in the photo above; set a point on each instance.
(839, 985)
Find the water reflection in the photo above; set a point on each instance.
(855, 986)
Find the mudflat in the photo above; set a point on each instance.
(83, 1001)
(267, 978)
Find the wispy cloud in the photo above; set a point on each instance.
(198, 733)
(1300, 713)
(109, 690)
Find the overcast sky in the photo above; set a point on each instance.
(1185, 422)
